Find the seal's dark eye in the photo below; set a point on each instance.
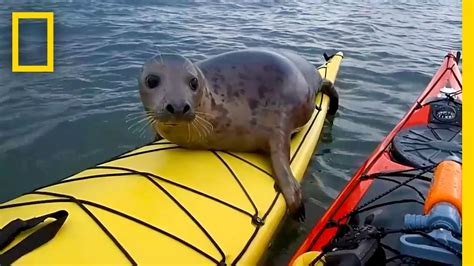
(193, 83)
(152, 81)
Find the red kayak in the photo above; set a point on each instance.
(410, 158)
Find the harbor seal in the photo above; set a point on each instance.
(249, 100)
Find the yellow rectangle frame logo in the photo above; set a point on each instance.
(49, 16)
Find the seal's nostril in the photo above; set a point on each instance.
(170, 108)
(186, 108)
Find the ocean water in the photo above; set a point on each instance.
(55, 124)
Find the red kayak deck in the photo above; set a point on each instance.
(448, 75)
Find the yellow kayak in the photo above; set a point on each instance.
(159, 204)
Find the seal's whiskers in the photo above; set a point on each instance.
(208, 124)
(154, 122)
(197, 129)
(151, 122)
(189, 133)
(137, 123)
(205, 131)
(142, 129)
(203, 113)
(136, 115)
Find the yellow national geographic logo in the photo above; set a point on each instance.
(49, 16)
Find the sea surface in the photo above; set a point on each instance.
(55, 124)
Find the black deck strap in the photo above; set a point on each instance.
(130, 172)
(363, 207)
(393, 202)
(150, 177)
(104, 229)
(144, 152)
(249, 163)
(234, 175)
(398, 182)
(406, 175)
(61, 199)
(34, 240)
(327, 87)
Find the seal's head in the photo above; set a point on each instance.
(171, 88)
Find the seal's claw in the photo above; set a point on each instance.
(295, 203)
(297, 211)
(299, 214)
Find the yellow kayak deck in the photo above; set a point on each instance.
(161, 204)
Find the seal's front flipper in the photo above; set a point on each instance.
(327, 87)
(299, 214)
(287, 184)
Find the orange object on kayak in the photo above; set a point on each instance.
(446, 186)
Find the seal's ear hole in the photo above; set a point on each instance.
(152, 81)
(193, 83)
